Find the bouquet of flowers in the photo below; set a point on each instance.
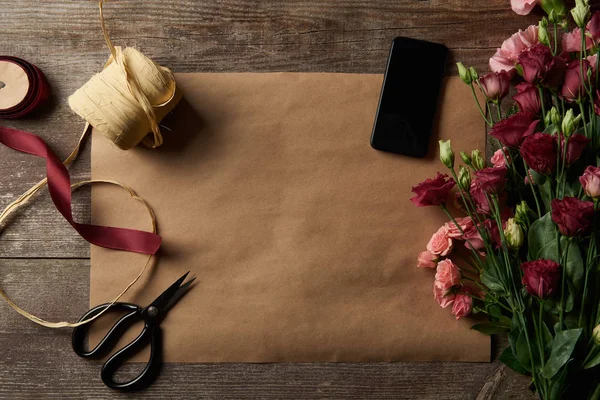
(529, 223)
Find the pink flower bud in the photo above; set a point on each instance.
(590, 181)
(427, 260)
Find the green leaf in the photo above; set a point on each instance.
(494, 311)
(546, 194)
(541, 235)
(547, 338)
(493, 283)
(522, 353)
(562, 348)
(491, 328)
(508, 358)
(594, 361)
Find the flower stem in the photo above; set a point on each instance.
(479, 106)
(537, 202)
(563, 282)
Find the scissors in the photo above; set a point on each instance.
(152, 315)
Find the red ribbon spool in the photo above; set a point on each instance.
(23, 87)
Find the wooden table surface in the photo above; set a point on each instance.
(44, 265)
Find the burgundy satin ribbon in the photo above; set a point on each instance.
(59, 185)
(37, 93)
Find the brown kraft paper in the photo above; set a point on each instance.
(301, 236)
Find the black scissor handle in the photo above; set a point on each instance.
(112, 337)
(151, 334)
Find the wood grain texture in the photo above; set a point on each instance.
(42, 260)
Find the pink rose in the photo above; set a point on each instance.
(447, 275)
(427, 260)
(590, 181)
(440, 243)
(463, 305)
(523, 7)
(506, 56)
(528, 98)
(464, 223)
(499, 159)
(443, 297)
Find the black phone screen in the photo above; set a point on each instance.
(409, 97)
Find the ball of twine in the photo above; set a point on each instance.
(129, 98)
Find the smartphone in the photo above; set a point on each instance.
(409, 97)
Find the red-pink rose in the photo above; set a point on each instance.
(572, 88)
(501, 158)
(447, 275)
(507, 55)
(495, 85)
(440, 243)
(463, 305)
(473, 240)
(427, 260)
(590, 181)
(444, 297)
(540, 153)
(479, 197)
(575, 146)
(573, 217)
(597, 102)
(511, 131)
(491, 180)
(528, 98)
(453, 230)
(433, 191)
(541, 277)
(540, 66)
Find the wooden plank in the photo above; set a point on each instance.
(38, 362)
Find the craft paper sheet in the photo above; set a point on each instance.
(301, 236)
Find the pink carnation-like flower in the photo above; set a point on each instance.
(462, 306)
(440, 243)
(427, 259)
(447, 275)
(499, 159)
(443, 297)
(465, 224)
(523, 7)
(506, 56)
(571, 41)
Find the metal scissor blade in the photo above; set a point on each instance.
(183, 289)
(162, 300)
